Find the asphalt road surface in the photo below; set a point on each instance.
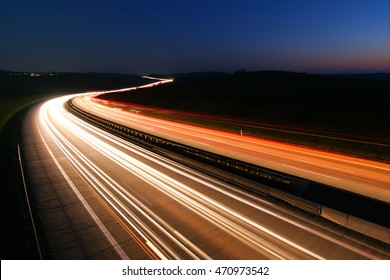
(100, 197)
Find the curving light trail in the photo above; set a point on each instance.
(365, 177)
(169, 211)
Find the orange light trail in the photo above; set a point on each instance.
(366, 177)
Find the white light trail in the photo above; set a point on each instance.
(138, 215)
(211, 210)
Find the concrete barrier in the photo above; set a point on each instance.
(373, 230)
(362, 226)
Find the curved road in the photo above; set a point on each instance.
(100, 197)
(365, 177)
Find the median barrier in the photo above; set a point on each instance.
(363, 226)
(271, 183)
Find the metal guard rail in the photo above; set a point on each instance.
(274, 180)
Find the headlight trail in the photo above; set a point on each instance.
(365, 177)
(147, 206)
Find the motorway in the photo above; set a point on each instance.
(365, 177)
(101, 197)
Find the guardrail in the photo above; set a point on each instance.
(274, 182)
(264, 182)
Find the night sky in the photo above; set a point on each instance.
(141, 37)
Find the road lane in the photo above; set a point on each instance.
(365, 177)
(102, 197)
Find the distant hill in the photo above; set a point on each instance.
(4, 73)
(25, 83)
(190, 75)
(370, 76)
(94, 74)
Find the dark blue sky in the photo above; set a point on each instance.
(143, 37)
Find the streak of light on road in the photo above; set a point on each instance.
(365, 177)
(167, 210)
